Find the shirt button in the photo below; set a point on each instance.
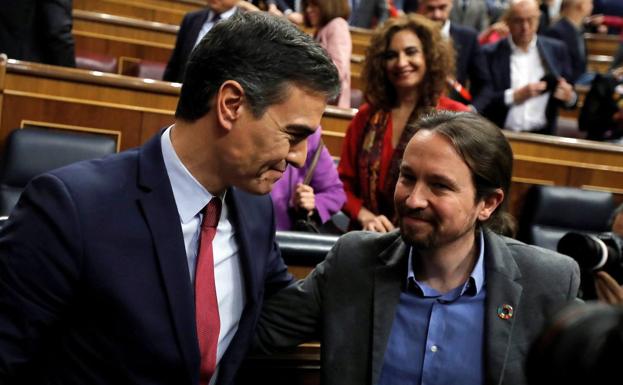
(433, 348)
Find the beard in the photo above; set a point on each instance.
(429, 234)
(420, 239)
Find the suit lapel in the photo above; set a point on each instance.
(504, 64)
(158, 207)
(250, 270)
(389, 277)
(235, 201)
(547, 58)
(193, 33)
(502, 275)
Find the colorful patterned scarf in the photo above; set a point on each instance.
(380, 199)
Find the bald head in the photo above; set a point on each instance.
(576, 10)
(514, 5)
(522, 18)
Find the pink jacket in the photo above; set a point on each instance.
(335, 38)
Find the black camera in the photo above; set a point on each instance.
(602, 251)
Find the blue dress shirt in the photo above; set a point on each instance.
(437, 339)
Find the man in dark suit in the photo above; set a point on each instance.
(529, 74)
(195, 26)
(447, 299)
(368, 13)
(99, 259)
(569, 30)
(471, 70)
(38, 31)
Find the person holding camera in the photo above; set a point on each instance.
(607, 288)
(528, 74)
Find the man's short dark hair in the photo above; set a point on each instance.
(263, 53)
(486, 152)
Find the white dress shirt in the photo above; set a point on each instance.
(191, 198)
(209, 23)
(445, 29)
(526, 67)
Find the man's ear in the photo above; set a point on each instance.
(490, 203)
(229, 100)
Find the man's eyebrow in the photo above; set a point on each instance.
(404, 168)
(443, 179)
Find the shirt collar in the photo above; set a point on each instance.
(190, 195)
(475, 281)
(515, 48)
(445, 29)
(224, 16)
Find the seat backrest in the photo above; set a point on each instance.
(96, 62)
(32, 151)
(304, 249)
(151, 69)
(549, 212)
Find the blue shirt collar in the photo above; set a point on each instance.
(476, 279)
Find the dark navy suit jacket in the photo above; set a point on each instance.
(37, 30)
(471, 65)
(564, 31)
(555, 59)
(94, 281)
(184, 44)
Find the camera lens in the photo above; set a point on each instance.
(590, 252)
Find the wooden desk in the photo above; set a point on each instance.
(361, 39)
(599, 63)
(38, 94)
(124, 27)
(134, 9)
(601, 44)
(92, 42)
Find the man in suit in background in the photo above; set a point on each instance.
(194, 27)
(529, 74)
(470, 13)
(569, 29)
(367, 13)
(108, 274)
(471, 70)
(38, 31)
(446, 299)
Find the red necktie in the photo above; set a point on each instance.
(206, 304)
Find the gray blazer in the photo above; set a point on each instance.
(367, 11)
(348, 302)
(474, 15)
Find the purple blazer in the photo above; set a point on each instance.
(328, 189)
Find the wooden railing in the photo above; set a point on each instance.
(134, 9)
